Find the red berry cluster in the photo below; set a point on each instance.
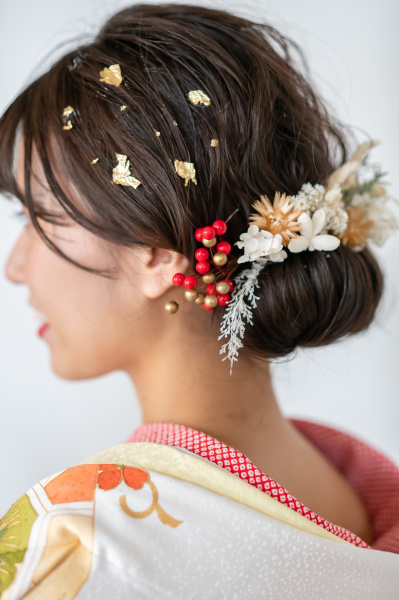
(218, 286)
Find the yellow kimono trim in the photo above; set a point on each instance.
(176, 463)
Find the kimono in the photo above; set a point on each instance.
(174, 513)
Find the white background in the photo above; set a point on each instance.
(46, 423)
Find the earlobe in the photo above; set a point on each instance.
(162, 264)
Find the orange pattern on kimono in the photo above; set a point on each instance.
(65, 559)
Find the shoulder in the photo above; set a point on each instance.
(127, 514)
(78, 522)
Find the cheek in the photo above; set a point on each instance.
(96, 323)
(96, 331)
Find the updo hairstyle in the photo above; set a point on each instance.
(274, 134)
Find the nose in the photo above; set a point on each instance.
(15, 268)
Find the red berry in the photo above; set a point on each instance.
(178, 278)
(223, 299)
(230, 284)
(208, 307)
(198, 235)
(208, 233)
(210, 289)
(203, 266)
(223, 247)
(190, 282)
(202, 254)
(220, 227)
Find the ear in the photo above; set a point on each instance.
(159, 267)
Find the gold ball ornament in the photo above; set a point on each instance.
(222, 287)
(191, 295)
(209, 243)
(220, 259)
(200, 299)
(211, 301)
(171, 307)
(208, 278)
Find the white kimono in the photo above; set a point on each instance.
(149, 521)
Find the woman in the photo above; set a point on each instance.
(180, 134)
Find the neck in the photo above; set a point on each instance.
(186, 382)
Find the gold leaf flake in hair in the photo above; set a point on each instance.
(123, 107)
(174, 121)
(198, 96)
(68, 110)
(157, 133)
(111, 75)
(94, 161)
(214, 142)
(186, 170)
(121, 173)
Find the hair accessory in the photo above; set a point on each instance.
(232, 324)
(218, 284)
(111, 75)
(350, 210)
(121, 173)
(186, 170)
(214, 142)
(94, 161)
(68, 110)
(198, 96)
(123, 107)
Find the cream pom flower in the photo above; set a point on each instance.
(384, 222)
(310, 238)
(259, 243)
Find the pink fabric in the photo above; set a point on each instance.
(370, 473)
(374, 476)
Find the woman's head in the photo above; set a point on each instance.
(274, 134)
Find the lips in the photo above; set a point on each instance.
(43, 329)
(39, 316)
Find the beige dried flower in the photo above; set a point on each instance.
(358, 229)
(279, 217)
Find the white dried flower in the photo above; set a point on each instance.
(258, 243)
(310, 238)
(384, 221)
(336, 219)
(278, 256)
(333, 197)
(309, 197)
(385, 224)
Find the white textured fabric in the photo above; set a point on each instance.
(115, 528)
(224, 550)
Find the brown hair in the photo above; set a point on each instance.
(274, 133)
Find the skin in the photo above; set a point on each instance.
(99, 325)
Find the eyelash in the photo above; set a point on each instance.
(21, 215)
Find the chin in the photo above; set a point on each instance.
(75, 371)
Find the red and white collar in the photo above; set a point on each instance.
(371, 474)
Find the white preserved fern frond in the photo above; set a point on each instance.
(232, 324)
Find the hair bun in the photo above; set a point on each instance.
(313, 299)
